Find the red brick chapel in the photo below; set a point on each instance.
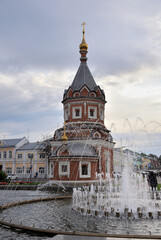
(84, 146)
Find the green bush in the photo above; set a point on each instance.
(3, 177)
(159, 186)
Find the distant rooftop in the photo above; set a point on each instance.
(33, 146)
(9, 142)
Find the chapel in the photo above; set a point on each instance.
(83, 147)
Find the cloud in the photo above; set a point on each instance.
(46, 35)
(39, 45)
(31, 101)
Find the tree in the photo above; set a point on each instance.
(3, 177)
(153, 156)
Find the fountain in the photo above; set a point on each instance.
(128, 196)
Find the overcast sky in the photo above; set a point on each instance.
(39, 57)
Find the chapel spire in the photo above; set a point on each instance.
(83, 46)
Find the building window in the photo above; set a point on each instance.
(0, 155)
(9, 171)
(30, 155)
(4, 154)
(41, 170)
(92, 112)
(77, 112)
(28, 170)
(85, 169)
(19, 156)
(64, 169)
(10, 154)
(19, 170)
(42, 155)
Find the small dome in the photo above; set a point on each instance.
(83, 46)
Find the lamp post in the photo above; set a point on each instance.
(31, 157)
(48, 153)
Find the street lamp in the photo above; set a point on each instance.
(31, 157)
(48, 153)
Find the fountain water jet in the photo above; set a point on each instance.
(128, 196)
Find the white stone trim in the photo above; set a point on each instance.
(93, 142)
(95, 112)
(89, 169)
(86, 89)
(74, 95)
(92, 93)
(94, 135)
(60, 169)
(74, 112)
(62, 149)
(85, 108)
(66, 114)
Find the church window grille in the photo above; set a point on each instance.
(92, 112)
(77, 112)
(85, 169)
(64, 169)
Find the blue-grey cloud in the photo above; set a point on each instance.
(39, 56)
(46, 34)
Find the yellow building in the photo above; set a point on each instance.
(23, 159)
(8, 149)
(32, 161)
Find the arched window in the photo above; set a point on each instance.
(10, 154)
(4, 154)
(96, 135)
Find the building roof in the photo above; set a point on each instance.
(83, 77)
(9, 142)
(33, 146)
(77, 149)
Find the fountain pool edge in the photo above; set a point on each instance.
(48, 232)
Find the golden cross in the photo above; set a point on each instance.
(83, 26)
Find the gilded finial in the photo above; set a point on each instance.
(83, 29)
(83, 46)
(64, 137)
